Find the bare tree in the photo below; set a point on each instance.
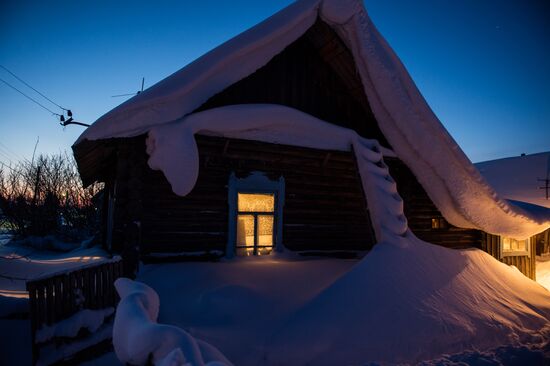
(46, 197)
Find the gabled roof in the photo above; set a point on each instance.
(415, 133)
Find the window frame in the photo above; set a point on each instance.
(439, 223)
(255, 215)
(255, 183)
(515, 253)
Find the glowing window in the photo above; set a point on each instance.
(511, 246)
(255, 202)
(439, 223)
(255, 223)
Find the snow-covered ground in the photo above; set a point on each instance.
(411, 304)
(421, 303)
(19, 264)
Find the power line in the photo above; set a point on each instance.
(7, 166)
(26, 96)
(21, 80)
(5, 148)
(5, 156)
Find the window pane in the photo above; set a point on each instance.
(513, 245)
(245, 231)
(257, 202)
(265, 230)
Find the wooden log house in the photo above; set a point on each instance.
(311, 201)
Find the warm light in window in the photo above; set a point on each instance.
(510, 245)
(439, 223)
(245, 230)
(248, 202)
(255, 222)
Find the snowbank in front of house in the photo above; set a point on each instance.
(139, 339)
(407, 304)
(236, 304)
(413, 303)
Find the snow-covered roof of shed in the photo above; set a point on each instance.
(415, 133)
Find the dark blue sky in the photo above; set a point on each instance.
(483, 65)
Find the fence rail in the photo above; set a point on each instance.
(58, 297)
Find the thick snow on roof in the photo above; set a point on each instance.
(518, 178)
(415, 133)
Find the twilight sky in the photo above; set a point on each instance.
(482, 65)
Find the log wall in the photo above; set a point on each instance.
(420, 210)
(325, 208)
(526, 264)
(127, 187)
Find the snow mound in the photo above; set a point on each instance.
(506, 355)
(138, 337)
(414, 303)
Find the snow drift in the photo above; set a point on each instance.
(405, 305)
(399, 304)
(138, 338)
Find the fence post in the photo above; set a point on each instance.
(53, 299)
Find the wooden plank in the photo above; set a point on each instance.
(88, 289)
(58, 300)
(50, 302)
(102, 288)
(67, 298)
(111, 297)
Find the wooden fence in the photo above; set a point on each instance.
(60, 296)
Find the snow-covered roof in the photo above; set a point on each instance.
(519, 178)
(415, 133)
